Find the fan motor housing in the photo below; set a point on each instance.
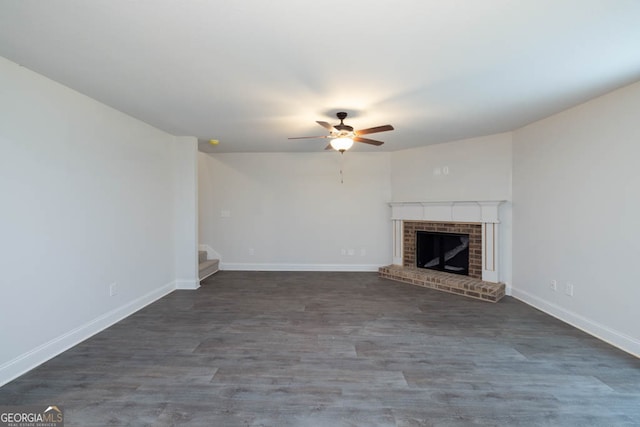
(342, 127)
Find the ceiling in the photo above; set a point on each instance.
(251, 73)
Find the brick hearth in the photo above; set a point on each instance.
(453, 283)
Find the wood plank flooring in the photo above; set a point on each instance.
(335, 349)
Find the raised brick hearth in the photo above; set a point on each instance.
(453, 283)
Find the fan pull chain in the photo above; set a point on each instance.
(341, 163)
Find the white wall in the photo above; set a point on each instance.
(88, 198)
(289, 211)
(185, 185)
(469, 169)
(576, 210)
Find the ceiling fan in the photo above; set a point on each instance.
(343, 136)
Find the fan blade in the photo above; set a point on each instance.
(326, 126)
(374, 130)
(308, 137)
(368, 141)
(328, 147)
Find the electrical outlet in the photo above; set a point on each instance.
(568, 289)
(113, 289)
(553, 285)
(343, 251)
(351, 252)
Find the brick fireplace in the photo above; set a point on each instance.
(475, 241)
(478, 219)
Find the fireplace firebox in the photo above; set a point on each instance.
(448, 252)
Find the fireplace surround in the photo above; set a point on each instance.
(478, 219)
(474, 231)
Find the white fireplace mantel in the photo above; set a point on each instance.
(485, 212)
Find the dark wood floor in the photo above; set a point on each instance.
(335, 349)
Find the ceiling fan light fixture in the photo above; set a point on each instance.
(341, 144)
(343, 136)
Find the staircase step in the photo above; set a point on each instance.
(207, 268)
(202, 256)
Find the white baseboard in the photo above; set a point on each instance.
(27, 361)
(613, 337)
(187, 284)
(234, 266)
(508, 289)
